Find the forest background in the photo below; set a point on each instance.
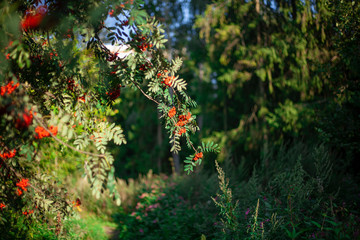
(277, 87)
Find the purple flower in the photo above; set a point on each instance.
(141, 230)
(247, 212)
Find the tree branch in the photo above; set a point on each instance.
(144, 93)
(64, 143)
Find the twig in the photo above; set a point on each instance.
(187, 138)
(144, 92)
(64, 143)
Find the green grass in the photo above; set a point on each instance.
(89, 228)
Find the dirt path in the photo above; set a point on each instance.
(112, 232)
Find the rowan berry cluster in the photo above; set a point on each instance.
(143, 45)
(181, 131)
(23, 183)
(42, 132)
(114, 93)
(53, 54)
(28, 212)
(159, 75)
(118, 8)
(70, 84)
(2, 205)
(172, 112)
(33, 20)
(24, 120)
(37, 57)
(167, 81)
(144, 67)
(82, 98)
(125, 23)
(198, 156)
(183, 119)
(9, 88)
(9, 154)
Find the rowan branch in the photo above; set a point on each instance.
(64, 143)
(19, 176)
(144, 92)
(188, 139)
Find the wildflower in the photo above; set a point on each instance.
(198, 156)
(141, 230)
(2, 205)
(143, 195)
(172, 112)
(262, 225)
(153, 206)
(247, 212)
